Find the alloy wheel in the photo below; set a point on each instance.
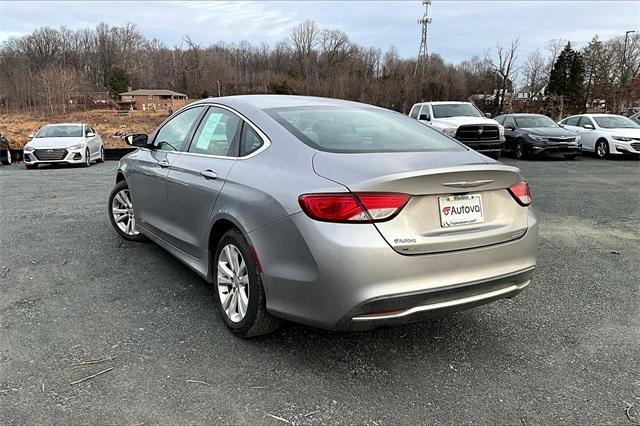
(8, 157)
(233, 283)
(601, 150)
(122, 211)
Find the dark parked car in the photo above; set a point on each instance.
(535, 134)
(5, 153)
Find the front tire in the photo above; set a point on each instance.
(7, 159)
(87, 159)
(602, 149)
(520, 151)
(101, 159)
(121, 213)
(239, 293)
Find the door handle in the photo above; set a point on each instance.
(209, 174)
(163, 164)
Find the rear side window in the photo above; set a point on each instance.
(414, 111)
(251, 141)
(352, 130)
(217, 133)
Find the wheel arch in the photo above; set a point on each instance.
(218, 228)
(120, 176)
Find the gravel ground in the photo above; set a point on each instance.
(565, 351)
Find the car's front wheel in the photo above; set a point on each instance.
(239, 293)
(101, 159)
(87, 158)
(520, 151)
(7, 158)
(602, 149)
(121, 213)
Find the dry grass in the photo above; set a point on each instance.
(109, 125)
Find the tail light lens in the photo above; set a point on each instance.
(363, 207)
(521, 193)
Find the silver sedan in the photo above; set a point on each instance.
(330, 213)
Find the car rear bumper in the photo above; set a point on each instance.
(339, 276)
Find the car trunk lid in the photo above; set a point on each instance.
(432, 179)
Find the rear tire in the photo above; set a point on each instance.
(239, 285)
(101, 159)
(602, 149)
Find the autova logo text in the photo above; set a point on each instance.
(450, 210)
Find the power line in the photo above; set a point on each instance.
(423, 53)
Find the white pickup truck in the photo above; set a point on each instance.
(464, 122)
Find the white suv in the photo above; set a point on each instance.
(605, 134)
(464, 122)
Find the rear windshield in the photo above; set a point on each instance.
(60, 131)
(344, 129)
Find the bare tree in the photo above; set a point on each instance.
(336, 48)
(534, 70)
(503, 65)
(304, 39)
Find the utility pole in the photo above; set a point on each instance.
(623, 70)
(423, 53)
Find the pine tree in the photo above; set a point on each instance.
(118, 82)
(567, 79)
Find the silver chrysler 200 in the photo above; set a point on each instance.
(331, 213)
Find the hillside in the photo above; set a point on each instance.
(16, 127)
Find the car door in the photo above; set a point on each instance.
(588, 136)
(197, 176)
(148, 183)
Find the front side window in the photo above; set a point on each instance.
(584, 120)
(455, 110)
(500, 119)
(414, 111)
(508, 122)
(571, 121)
(528, 121)
(352, 130)
(217, 133)
(173, 135)
(65, 131)
(614, 122)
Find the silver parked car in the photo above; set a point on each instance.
(330, 213)
(71, 143)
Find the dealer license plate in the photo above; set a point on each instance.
(459, 210)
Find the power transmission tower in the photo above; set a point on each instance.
(423, 53)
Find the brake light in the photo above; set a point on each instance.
(521, 193)
(363, 207)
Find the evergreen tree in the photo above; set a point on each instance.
(567, 79)
(118, 82)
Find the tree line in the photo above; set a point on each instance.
(46, 69)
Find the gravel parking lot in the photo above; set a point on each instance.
(565, 351)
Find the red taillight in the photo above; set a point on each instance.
(354, 208)
(521, 193)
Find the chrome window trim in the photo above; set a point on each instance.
(266, 142)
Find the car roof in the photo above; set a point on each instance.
(64, 124)
(263, 102)
(442, 102)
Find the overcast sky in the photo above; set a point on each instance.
(460, 29)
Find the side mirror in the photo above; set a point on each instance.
(137, 139)
(588, 126)
(31, 135)
(487, 114)
(510, 128)
(90, 134)
(424, 117)
(560, 125)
